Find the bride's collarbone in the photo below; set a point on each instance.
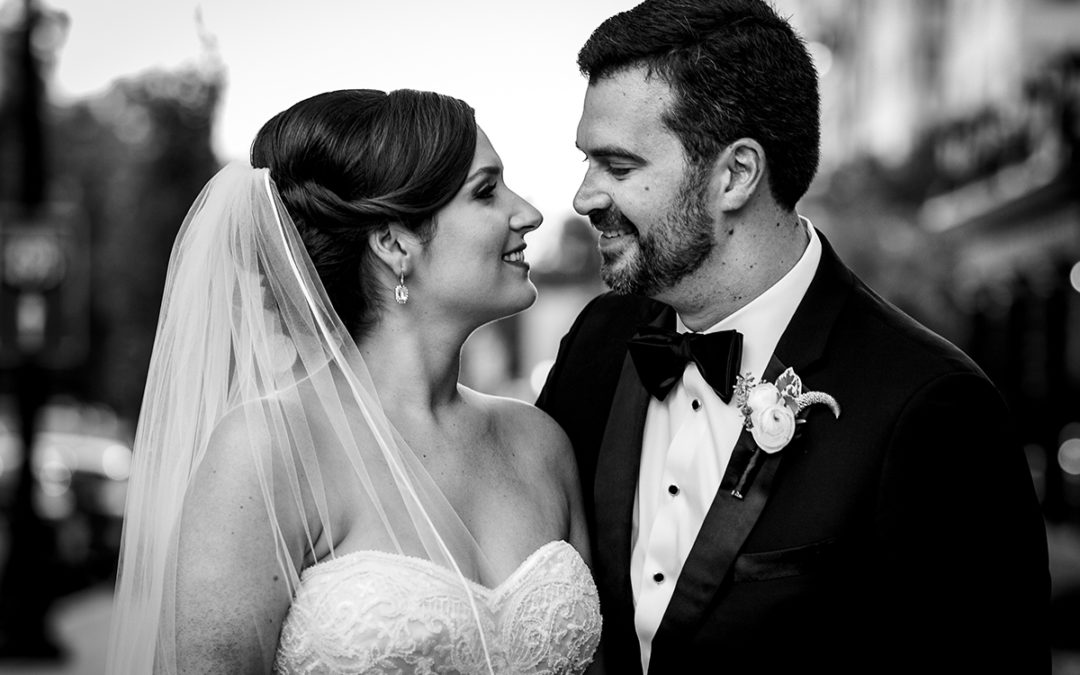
(467, 438)
(486, 459)
(508, 502)
(476, 466)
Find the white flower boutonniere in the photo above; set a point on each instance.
(771, 411)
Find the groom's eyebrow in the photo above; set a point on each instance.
(609, 152)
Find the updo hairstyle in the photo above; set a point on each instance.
(349, 162)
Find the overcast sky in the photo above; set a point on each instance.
(513, 61)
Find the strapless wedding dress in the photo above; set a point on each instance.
(376, 612)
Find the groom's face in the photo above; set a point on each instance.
(650, 205)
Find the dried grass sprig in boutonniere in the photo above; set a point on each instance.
(772, 413)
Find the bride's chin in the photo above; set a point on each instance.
(529, 295)
(523, 298)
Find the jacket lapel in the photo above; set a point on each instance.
(616, 482)
(615, 485)
(730, 519)
(803, 341)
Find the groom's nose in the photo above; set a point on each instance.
(589, 197)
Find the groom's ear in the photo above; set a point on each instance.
(395, 246)
(739, 170)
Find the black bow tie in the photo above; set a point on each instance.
(660, 357)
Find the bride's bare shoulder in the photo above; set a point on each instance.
(264, 441)
(278, 422)
(524, 426)
(241, 452)
(248, 425)
(257, 453)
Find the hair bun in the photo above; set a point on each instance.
(320, 207)
(347, 162)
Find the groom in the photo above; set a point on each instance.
(896, 530)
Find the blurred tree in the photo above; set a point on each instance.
(29, 37)
(136, 157)
(133, 159)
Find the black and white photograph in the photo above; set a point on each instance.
(612, 337)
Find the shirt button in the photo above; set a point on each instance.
(695, 404)
(673, 490)
(658, 577)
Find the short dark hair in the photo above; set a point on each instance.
(348, 162)
(736, 68)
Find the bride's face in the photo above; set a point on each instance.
(475, 265)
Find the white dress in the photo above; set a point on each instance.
(375, 612)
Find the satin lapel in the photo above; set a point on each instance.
(615, 484)
(806, 335)
(726, 526)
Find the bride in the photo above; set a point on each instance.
(314, 491)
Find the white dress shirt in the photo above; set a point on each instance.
(686, 445)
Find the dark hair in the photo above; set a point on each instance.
(348, 162)
(736, 69)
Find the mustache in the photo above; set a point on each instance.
(611, 218)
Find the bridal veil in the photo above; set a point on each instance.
(246, 334)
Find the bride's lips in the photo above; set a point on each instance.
(516, 256)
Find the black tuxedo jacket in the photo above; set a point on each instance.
(904, 536)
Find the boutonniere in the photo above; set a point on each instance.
(772, 413)
(771, 410)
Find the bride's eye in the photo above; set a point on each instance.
(487, 191)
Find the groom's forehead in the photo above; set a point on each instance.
(626, 100)
(619, 121)
(628, 91)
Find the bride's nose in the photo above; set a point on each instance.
(525, 217)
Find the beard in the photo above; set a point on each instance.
(673, 248)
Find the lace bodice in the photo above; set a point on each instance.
(376, 612)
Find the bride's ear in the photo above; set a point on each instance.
(395, 246)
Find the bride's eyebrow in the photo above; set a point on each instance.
(492, 170)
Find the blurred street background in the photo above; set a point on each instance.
(950, 182)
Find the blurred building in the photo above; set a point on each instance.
(949, 180)
(892, 70)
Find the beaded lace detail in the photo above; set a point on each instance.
(376, 612)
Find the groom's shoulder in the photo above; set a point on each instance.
(901, 341)
(591, 354)
(871, 332)
(615, 316)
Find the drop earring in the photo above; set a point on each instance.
(401, 292)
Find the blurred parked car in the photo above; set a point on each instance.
(80, 467)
